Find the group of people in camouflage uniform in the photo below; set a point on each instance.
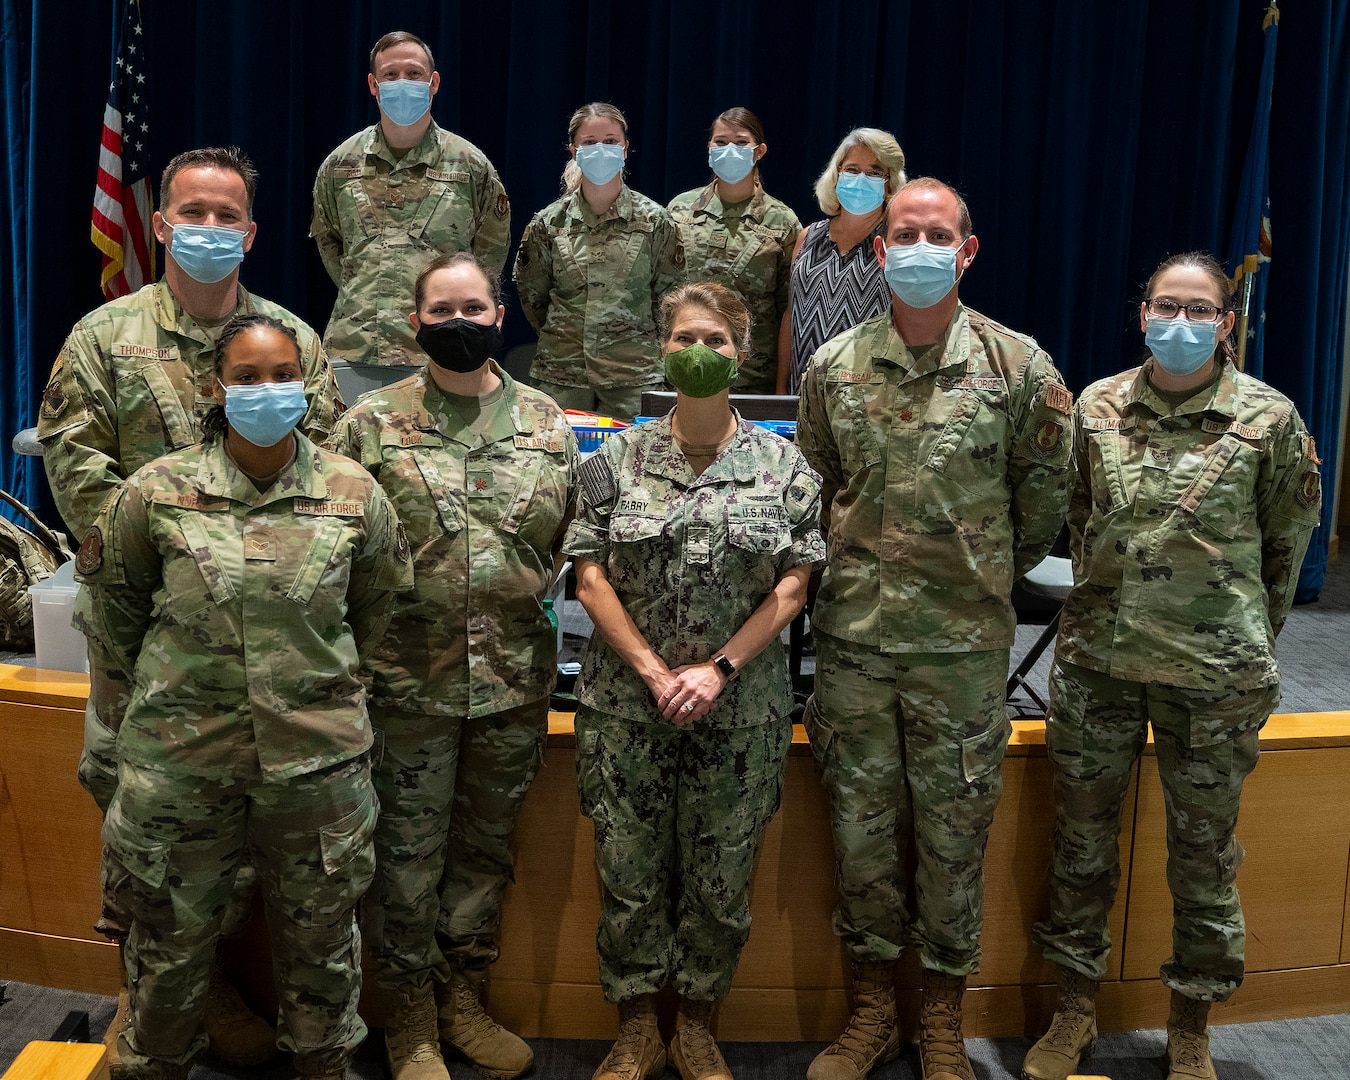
(285, 635)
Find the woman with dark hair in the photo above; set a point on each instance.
(693, 543)
(480, 470)
(1197, 491)
(736, 234)
(240, 582)
(591, 270)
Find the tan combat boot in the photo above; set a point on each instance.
(693, 1051)
(1073, 1030)
(639, 1052)
(411, 1045)
(121, 1022)
(1188, 1040)
(470, 1032)
(147, 1068)
(871, 1037)
(942, 1050)
(238, 1035)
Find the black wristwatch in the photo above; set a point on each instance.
(725, 666)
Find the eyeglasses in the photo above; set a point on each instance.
(1170, 309)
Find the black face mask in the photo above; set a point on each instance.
(458, 344)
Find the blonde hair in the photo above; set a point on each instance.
(596, 110)
(717, 300)
(881, 143)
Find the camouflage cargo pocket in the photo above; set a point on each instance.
(868, 856)
(818, 732)
(1229, 861)
(134, 849)
(590, 787)
(348, 839)
(982, 754)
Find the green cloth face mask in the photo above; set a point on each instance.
(700, 371)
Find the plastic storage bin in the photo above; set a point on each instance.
(60, 647)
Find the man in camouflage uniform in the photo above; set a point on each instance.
(387, 201)
(747, 247)
(679, 810)
(461, 693)
(133, 381)
(943, 442)
(223, 601)
(1189, 522)
(591, 286)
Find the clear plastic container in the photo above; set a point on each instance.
(60, 647)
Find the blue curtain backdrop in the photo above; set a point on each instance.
(1090, 139)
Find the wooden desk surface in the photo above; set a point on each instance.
(59, 1061)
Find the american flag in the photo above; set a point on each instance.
(122, 199)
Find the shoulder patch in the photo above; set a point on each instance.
(1312, 451)
(503, 206)
(89, 559)
(597, 480)
(1057, 397)
(1309, 491)
(1048, 437)
(401, 544)
(53, 400)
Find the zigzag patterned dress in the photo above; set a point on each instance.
(832, 292)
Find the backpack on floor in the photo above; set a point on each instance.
(25, 559)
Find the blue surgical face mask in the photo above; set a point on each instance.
(265, 413)
(405, 101)
(858, 193)
(921, 274)
(206, 253)
(1180, 346)
(600, 162)
(731, 163)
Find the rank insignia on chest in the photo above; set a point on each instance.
(1048, 436)
(698, 546)
(480, 485)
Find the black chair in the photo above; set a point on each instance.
(1045, 588)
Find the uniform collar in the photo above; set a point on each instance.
(1221, 399)
(579, 209)
(170, 315)
(218, 475)
(665, 459)
(710, 203)
(889, 349)
(433, 412)
(423, 152)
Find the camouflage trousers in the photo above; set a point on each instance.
(175, 844)
(97, 772)
(909, 747)
(1207, 743)
(450, 792)
(679, 814)
(620, 402)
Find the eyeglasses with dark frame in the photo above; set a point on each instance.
(1162, 308)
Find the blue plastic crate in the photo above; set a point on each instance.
(591, 438)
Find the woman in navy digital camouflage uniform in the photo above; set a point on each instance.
(694, 540)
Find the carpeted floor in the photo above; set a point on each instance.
(1317, 1048)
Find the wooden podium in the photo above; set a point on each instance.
(1295, 826)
